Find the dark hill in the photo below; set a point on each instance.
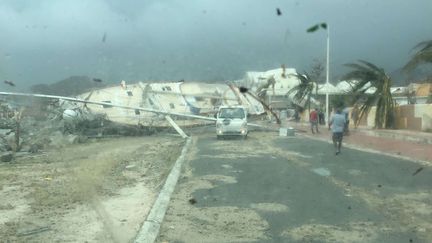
(418, 75)
(68, 87)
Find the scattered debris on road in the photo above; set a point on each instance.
(192, 201)
(34, 231)
(417, 171)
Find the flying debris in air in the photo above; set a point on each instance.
(316, 27)
(9, 83)
(313, 29)
(98, 80)
(278, 12)
(324, 25)
(104, 37)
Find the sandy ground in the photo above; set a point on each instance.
(100, 191)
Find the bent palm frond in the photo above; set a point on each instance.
(422, 56)
(367, 76)
(304, 89)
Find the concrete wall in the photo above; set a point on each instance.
(416, 117)
(424, 112)
(406, 118)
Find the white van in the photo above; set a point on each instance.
(231, 121)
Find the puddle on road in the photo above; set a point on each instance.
(270, 207)
(225, 166)
(355, 172)
(321, 171)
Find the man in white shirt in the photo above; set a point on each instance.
(337, 125)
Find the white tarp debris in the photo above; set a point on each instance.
(328, 88)
(284, 82)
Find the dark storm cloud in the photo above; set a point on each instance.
(48, 40)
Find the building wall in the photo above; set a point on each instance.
(416, 117)
(424, 112)
(407, 119)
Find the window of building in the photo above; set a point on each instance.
(107, 106)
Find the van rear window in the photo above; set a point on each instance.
(232, 113)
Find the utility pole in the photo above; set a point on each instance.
(327, 74)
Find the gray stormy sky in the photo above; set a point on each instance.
(44, 41)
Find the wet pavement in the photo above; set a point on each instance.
(353, 197)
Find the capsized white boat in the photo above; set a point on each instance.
(189, 98)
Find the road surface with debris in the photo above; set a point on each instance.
(294, 189)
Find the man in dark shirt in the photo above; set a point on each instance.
(321, 119)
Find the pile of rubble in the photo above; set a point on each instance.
(29, 129)
(22, 133)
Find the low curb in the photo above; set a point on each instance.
(385, 134)
(400, 137)
(150, 229)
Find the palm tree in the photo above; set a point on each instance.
(304, 89)
(422, 56)
(368, 76)
(316, 73)
(244, 90)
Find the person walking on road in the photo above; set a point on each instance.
(296, 116)
(345, 112)
(321, 119)
(337, 125)
(313, 119)
(355, 115)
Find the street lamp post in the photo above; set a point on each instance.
(327, 74)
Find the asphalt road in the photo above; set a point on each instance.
(300, 192)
